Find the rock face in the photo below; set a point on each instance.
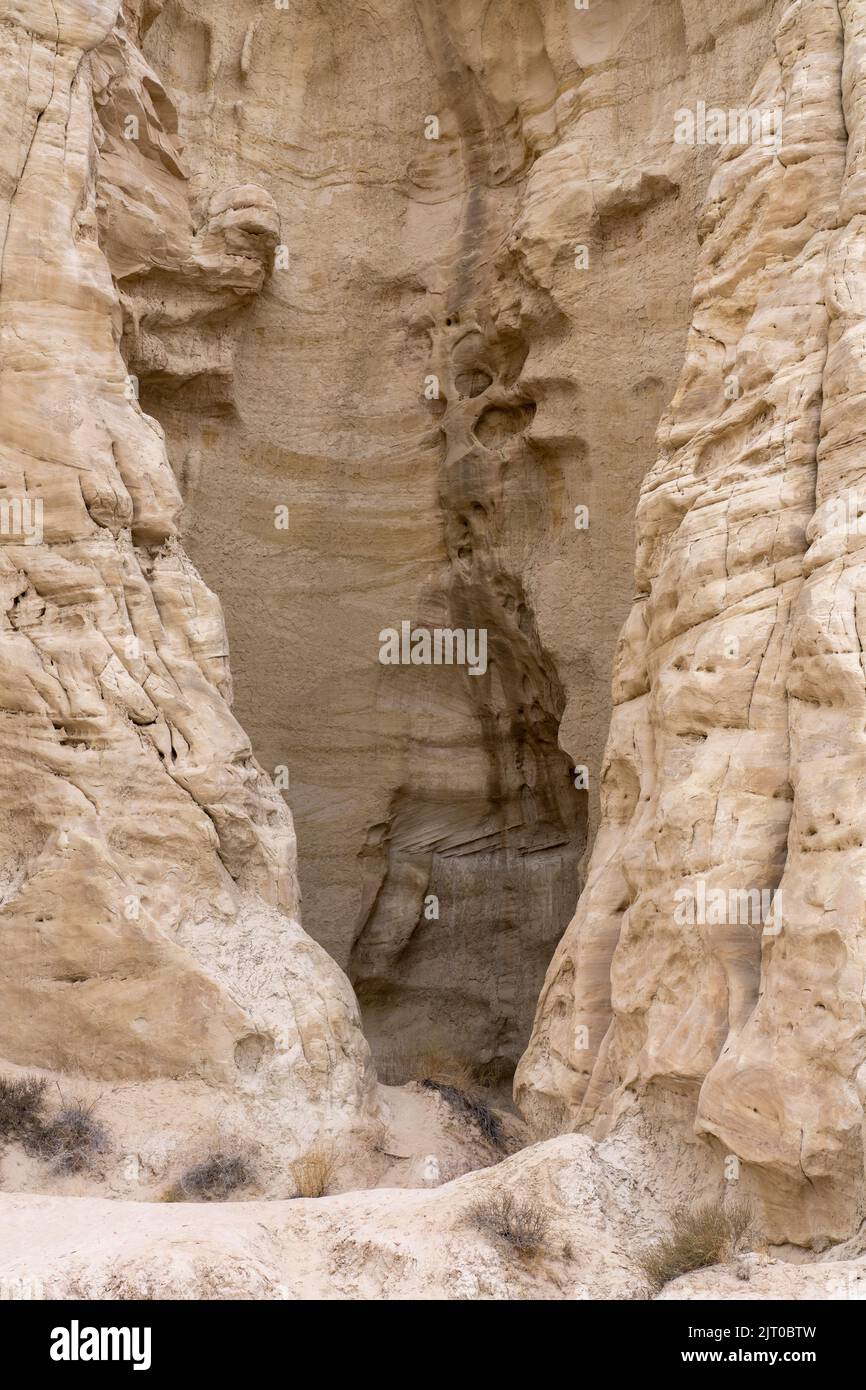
(389, 336)
(477, 311)
(147, 863)
(717, 955)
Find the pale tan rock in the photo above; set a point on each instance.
(837, 1281)
(601, 1202)
(734, 754)
(148, 896)
(382, 1244)
(148, 893)
(156, 1131)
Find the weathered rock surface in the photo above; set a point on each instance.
(148, 895)
(734, 765)
(399, 345)
(600, 1200)
(384, 1244)
(409, 258)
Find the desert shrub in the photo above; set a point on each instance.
(699, 1237)
(468, 1109)
(315, 1172)
(73, 1140)
(22, 1107)
(70, 1141)
(213, 1179)
(522, 1223)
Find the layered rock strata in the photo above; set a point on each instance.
(476, 316)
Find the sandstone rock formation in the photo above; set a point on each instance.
(733, 769)
(406, 302)
(147, 863)
(457, 258)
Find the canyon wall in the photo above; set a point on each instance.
(478, 309)
(148, 893)
(379, 309)
(714, 971)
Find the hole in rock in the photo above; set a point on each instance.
(497, 424)
(249, 1052)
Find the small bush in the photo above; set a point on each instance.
(22, 1106)
(699, 1237)
(212, 1180)
(72, 1140)
(521, 1222)
(480, 1115)
(315, 1172)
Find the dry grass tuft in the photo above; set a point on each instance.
(699, 1237)
(22, 1107)
(444, 1066)
(497, 1073)
(73, 1140)
(434, 1062)
(379, 1136)
(314, 1173)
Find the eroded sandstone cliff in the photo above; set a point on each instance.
(430, 352)
(147, 864)
(734, 766)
